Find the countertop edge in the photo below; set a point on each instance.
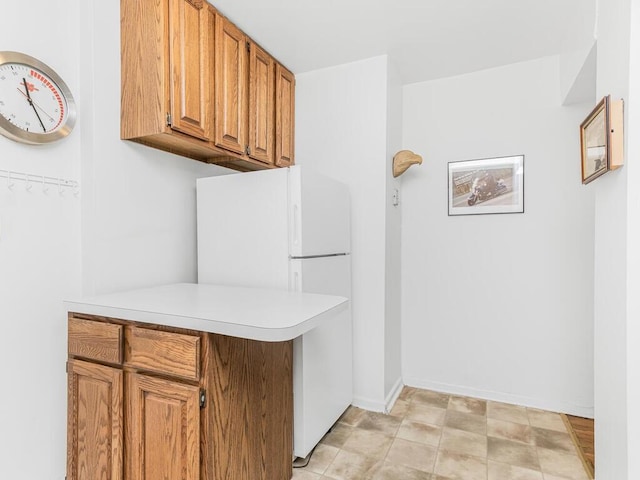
(207, 325)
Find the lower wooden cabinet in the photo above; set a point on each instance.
(163, 429)
(148, 402)
(94, 421)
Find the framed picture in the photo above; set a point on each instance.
(601, 139)
(489, 185)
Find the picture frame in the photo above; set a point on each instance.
(486, 186)
(601, 139)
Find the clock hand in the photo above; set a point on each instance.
(26, 87)
(41, 109)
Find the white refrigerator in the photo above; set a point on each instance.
(287, 228)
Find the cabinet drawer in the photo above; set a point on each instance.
(163, 352)
(95, 340)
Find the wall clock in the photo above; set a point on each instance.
(36, 106)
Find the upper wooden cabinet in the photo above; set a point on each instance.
(261, 104)
(194, 84)
(189, 59)
(285, 100)
(164, 59)
(231, 86)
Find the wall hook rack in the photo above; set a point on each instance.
(29, 179)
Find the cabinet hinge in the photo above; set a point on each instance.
(168, 119)
(203, 398)
(247, 150)
(248, 46)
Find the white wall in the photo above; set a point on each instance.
(578, 75)
(139, 216)
(633, 252)
(341, 131)
(611, 289)
(393, 279)
(497, 306)
(39, 259)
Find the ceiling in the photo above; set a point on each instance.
(425, 39)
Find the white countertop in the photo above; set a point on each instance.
(253, 313)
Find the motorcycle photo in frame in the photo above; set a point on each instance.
(484, 186)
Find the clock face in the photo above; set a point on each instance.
(35, 104)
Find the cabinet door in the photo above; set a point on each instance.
(285, 104)
(94, 422)
(189, 67)
(261, 104)
(163, 429)
(230, 86)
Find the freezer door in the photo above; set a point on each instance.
(243, 229)
(319, 214)
(323, 357)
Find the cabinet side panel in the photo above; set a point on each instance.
(144, 53)
(249, 413)
(94, 422)
(271, 403)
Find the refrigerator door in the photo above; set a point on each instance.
(323, 357)
(243, 229)
(319, 214)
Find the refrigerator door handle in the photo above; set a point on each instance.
(295, 278)
(307, 257)
(296, 224)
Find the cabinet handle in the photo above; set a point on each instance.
(203, 398)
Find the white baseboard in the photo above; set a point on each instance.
(525, 401)
(381, 406)
(369, 404)
(393, 395)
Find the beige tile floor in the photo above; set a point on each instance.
(433, 436)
